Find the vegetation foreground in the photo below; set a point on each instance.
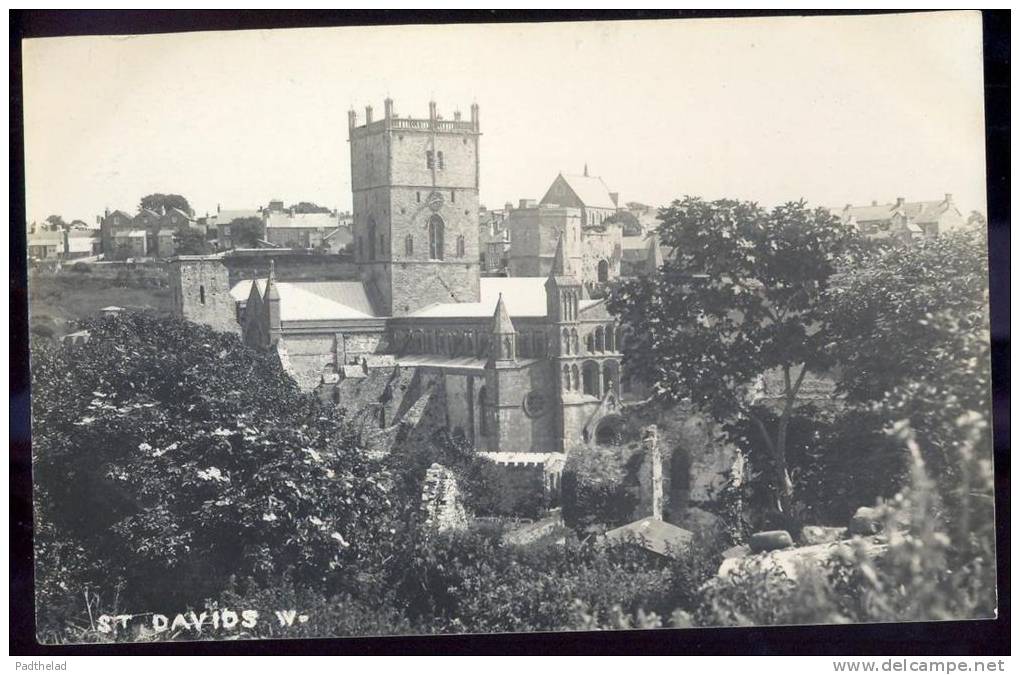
(180, 474)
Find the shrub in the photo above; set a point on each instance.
(594, 493)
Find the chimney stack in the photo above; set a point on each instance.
(352, 119)
(949, 198)
(900, 201)
(368, 114)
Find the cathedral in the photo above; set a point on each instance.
(525, 368)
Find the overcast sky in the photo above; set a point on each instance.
(834, 110)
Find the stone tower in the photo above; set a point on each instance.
(563, 293)
(415, 189)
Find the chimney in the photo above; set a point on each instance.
(874, 202)
(474, 116)
(368, 114)
(456, 116)
(352, 119)
(217, 208)
(900, 201)
(949, 198)
(432, 110)
(586, 169)
(508, 207)
(848, 207)
(388, 107)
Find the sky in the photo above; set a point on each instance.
(834, 110)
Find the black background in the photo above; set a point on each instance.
(955, 637)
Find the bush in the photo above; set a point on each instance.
(594, 492)
(81, 268)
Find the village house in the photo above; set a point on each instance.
(903, 220)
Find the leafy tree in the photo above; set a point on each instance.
(161, 203)
(56, 223)
(740, 297)
(191, 242)
(170, 457)
(914, 343)
(628, 221)
(246, 232)
(308, 207)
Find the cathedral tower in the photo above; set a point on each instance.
(415, 189)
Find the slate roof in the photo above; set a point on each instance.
(525, 297)
(590, 190)
(228, 216)
(313, 300)
(652, 534)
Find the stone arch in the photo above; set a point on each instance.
(566, 341)
(603, 271)
(437, 236)
(610, 339)
(611, 376)
(600, 339)
(589, 343)
(610, 430)
(565, 381)
(591, 379)
(575, 378)
(575, 343)
(680, 478)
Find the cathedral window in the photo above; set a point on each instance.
(441, 162)
(566, 341)
(453, 196)
(575, 343)
(589, 342)
(201, 294)
(436, 236)
(430, 160)
(409, 245)
(417, 196)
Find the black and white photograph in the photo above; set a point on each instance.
(508, 328)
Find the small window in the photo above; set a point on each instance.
(430, 160)
(460, 246)
(453, 196)
(442, 163)
(382, 244)
(417, 196)
(201, 294)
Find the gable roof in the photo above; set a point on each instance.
(317, 220)
(652, 534)
(590, 191)
(525, 298)
(313, 300)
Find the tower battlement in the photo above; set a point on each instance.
(434, 123)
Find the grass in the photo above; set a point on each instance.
(57, 302)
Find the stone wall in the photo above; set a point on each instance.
(441, 506)
(201, 293)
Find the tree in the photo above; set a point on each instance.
(914, 344)
(169, 457)
(191, 242)
(308, 207)
(246, 232)
(161, 203)
(56, 223)
(740, 297)
(628, 221)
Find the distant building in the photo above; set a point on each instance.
(903, 220)
(63, 245)
(306, 230)
(120, 233)
(587, 193)
(46, 245)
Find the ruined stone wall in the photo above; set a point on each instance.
(309, 356)
(523, 408)
(201, 293)
(441, 506)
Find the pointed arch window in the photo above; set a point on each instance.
(460, 246)
(437, 230)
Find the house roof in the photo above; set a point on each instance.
(525, 297)
(434, 361)
(179, 212)
(229, 215)
(590, 190)
(130, 233)
(283, 219)
(652, 534)
(919, 212)
(313, 300)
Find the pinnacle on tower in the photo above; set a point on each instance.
(560, 263)
(586, 169)
(271, 292)
(501, 323)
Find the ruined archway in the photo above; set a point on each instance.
(610, 431)
(603, 271)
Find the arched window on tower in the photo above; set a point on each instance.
(600, 339)
(566, 341)
(460, 246)
(436, 235)
(575, 343)
(566, 378)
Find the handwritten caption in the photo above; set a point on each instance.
(196, 622)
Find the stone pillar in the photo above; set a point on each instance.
(650, 476)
